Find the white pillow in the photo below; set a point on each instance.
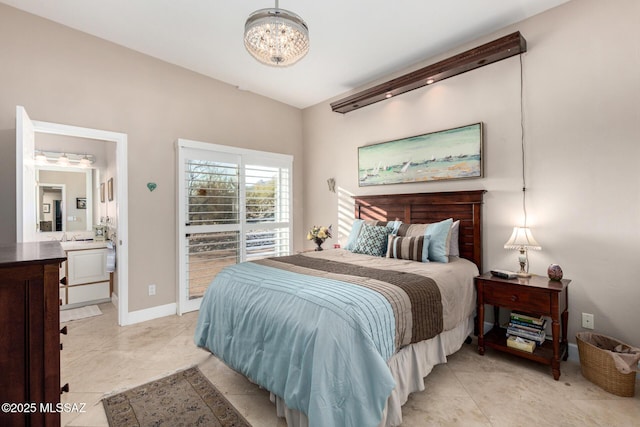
(454, 246)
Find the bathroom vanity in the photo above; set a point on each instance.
(86, 279)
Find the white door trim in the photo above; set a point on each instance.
(122, 227)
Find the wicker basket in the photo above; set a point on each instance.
(599, 368)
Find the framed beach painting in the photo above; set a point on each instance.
(447, 154)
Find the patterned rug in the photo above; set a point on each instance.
(185, 398)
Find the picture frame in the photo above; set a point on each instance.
(443, 155)
(81, 203)
(102, 192)
(46, 208)
(110, 189)
(99, 233)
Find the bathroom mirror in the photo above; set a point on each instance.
(64, 199)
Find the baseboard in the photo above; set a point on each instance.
(84, 303)
(151, 313)
(114, 300)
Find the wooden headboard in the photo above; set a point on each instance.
(421, 208)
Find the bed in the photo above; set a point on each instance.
(342, 337)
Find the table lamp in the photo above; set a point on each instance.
(523, 240)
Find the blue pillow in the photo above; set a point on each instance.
(439, 235)
(394, 226)
(372, 240)
(353, 236)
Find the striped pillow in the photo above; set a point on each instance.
(414, 248)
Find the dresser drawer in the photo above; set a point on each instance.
(520, 298)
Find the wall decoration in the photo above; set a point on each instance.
(151, 186)
(81, 203)
(102, 192)
(331, 182)
(46, 208)
(110, 189)
(447, 154)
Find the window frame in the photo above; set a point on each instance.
(186, 149)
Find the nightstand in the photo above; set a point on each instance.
(534, 295)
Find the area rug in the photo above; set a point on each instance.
(185, 398)
(79, 313)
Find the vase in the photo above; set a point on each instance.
(319, 243)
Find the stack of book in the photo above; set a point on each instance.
(527, 328)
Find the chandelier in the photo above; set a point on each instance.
(276, 36)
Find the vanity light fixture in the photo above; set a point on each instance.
(41, 158)
(488, 53)
(64, 159)
(85, 162)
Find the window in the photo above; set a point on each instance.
(234, 206)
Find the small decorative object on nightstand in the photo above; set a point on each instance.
(537, 296)
(554, 272)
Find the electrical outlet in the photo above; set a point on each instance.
(152, 290)
(587, 321)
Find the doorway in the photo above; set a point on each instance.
(26, 130)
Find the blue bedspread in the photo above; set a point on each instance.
(320, 344)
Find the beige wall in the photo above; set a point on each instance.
(582, 110)
(63, 76)
(582, 95)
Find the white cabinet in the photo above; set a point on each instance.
(87, 266)
(87, 278)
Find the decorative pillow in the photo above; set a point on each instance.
(454, 246)
(356, 228)
(355, 232)
(439, 234)
(393, 226)
(372, 240)
(412, 230)
(411, 248)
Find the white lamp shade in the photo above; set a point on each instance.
(63, 160)
(522, 238)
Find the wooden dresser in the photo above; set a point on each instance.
(30, 333)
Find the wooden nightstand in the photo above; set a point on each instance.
(535, 295)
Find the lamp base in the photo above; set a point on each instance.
(523, 274)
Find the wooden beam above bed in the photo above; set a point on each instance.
(488, 53)
(423, 208)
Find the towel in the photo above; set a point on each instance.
(111, 257)
(626, 358)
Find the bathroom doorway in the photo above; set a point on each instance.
(26, 206)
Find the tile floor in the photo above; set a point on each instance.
(100, 357)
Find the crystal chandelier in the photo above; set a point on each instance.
(276, 36)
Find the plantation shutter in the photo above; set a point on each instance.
(234, 206)
(267, 219)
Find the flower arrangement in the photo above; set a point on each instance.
(319, 234)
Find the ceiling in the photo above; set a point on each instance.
(353, 42)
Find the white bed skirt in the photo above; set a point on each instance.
(408, 367)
